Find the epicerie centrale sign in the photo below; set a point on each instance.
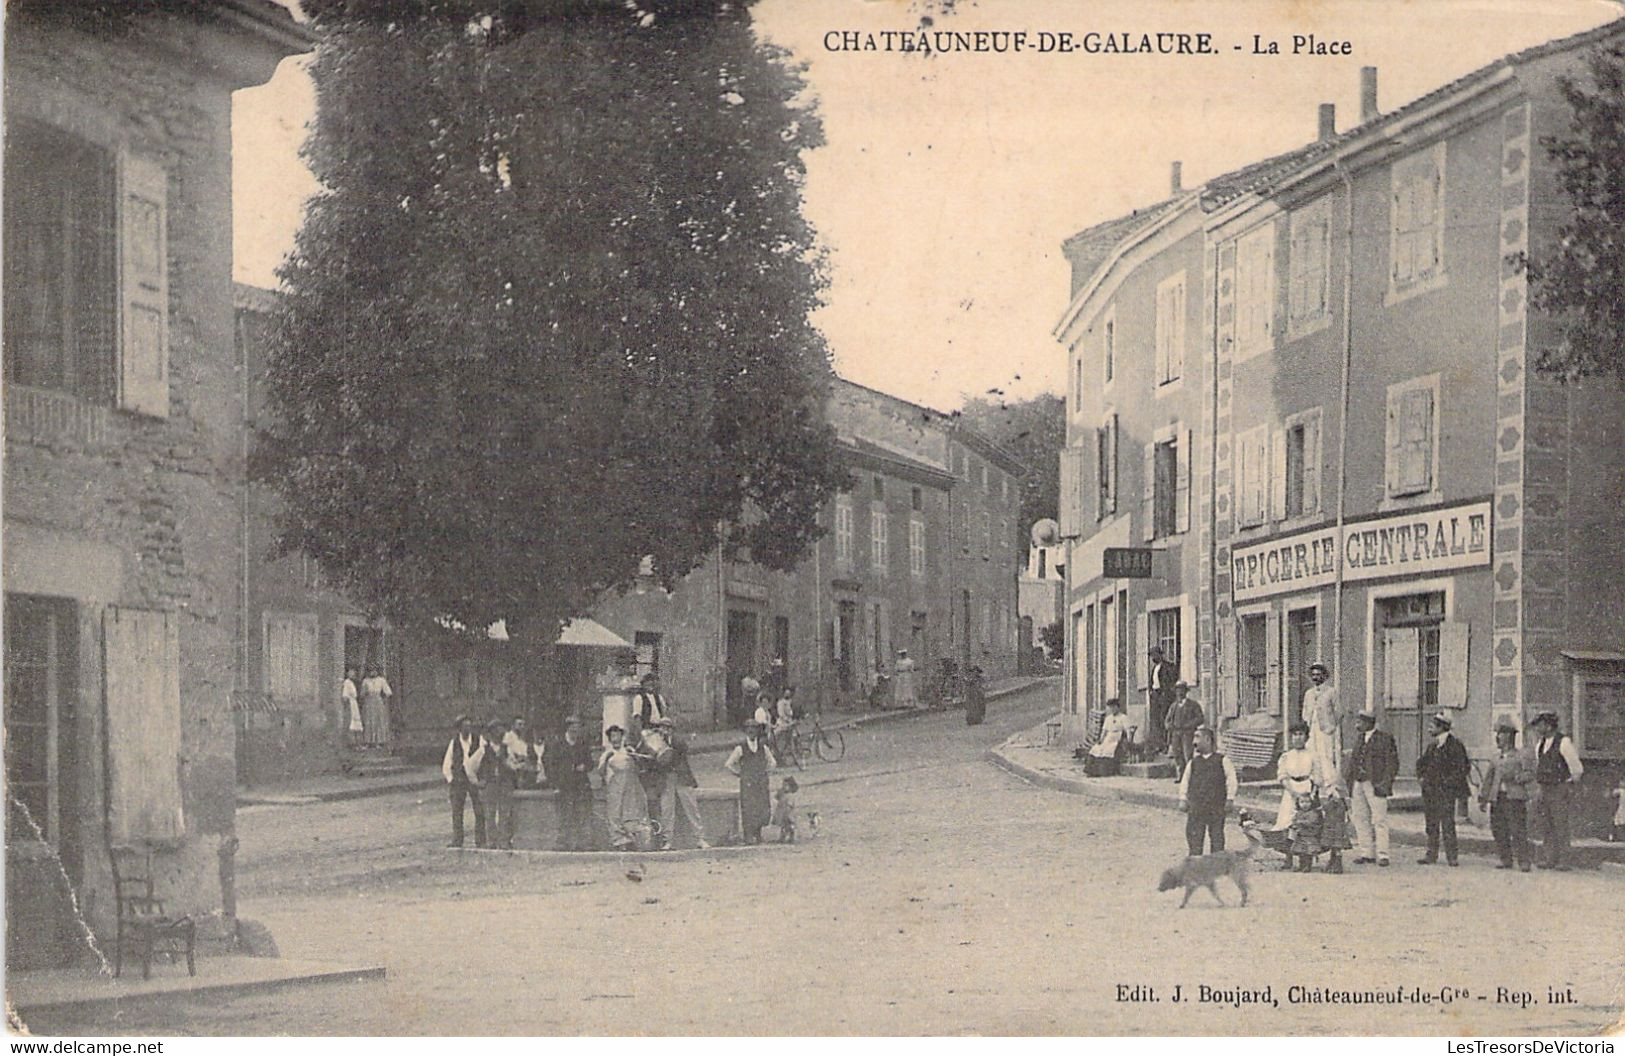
(1404, 544)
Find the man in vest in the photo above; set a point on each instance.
(1557, 769)
(1205, 793)
(464, 743)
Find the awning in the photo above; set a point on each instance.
(582, 631)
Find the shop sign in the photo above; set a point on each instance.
(1403, 544)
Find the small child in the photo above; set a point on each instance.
(784, 810)
(1617, 834)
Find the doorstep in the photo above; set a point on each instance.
(62, 989)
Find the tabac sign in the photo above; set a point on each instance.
(1404, 544)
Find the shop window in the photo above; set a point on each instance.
(1255, 694)
(1599, 709)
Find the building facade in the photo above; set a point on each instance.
(919, 555)
(1380, 481)
(123, 482)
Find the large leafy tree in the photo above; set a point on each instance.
(550, 313)
(1033, 430)
(1581, 278)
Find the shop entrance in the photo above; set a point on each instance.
(1303, 649)
(1406, 661)
(740, 663)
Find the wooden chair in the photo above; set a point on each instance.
(142, 923)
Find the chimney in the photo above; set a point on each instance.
(1328, 122)
(1173, 179)
(1368, 94)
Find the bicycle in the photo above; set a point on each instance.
(828, 745)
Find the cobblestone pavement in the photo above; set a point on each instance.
(941, 895)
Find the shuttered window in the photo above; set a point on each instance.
(1255, 291)
(1252, 475)
(1170, 330)
(916, 547)
(1416, 238)
(289, 665)
(1302, 469)
(141, 676)
(61, 266)
(879, 539)
(1412, 436)
(1308, 264)
(843, 530)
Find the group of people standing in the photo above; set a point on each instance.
(366, 708)
(1329, 807)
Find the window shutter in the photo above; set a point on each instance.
(1187, 643)
(1148, 494)
(1160, 340)
(1071, 486)
(1176, 332)
(1400, 662)
(1272, 656)
(1141, 645)
(306, 654)
(1266, 289)
(141, 678)
(1111, 465)
(1182, 487)
(1229, 699)
(1311, 463)
(1422, 402)
(1453, 665)
(1395, 439)
(1277, 478)
(144, 286)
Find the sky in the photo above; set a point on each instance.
(947, 183)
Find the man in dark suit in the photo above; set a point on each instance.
(1162, 677)
(567, 762)
(1369, 770)
(1443, 770)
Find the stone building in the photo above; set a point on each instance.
(123, 471)
(1339, 340)
(919, 555)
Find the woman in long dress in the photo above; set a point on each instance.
(1106, 754)
(751, 762)
(1304, 826)
(375, 694)
(625, 805)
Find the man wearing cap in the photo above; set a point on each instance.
(679, 802)
(567, 761)
(1181, 720)
(1160, 691)
(1321, 711)
(454, 768)
(1443, 771)
(1370, 769)
(1557, 768)
(1206, 790)
(1504, 792)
